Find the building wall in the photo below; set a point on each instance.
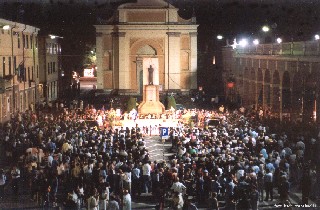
(18, 68)
(136, 27)
(281, 78)
(50, 50)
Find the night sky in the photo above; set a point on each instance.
(293, 20)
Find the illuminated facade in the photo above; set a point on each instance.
(19, 68)
(49, 52)
(142, 30)
(282, 78)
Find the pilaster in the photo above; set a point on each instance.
(174, 60)
(193, 60)
(99, 61)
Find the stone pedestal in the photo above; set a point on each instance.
(151, 103)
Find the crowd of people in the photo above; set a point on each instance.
(240, 161)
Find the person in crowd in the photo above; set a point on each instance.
(15, 180)
(3, 180)
(113, 204)
(146, 177)
(177, 200)
(268, 184)
(93, 200)
(206, 160)
(126, 200)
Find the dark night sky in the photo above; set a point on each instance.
(74, 19)
(297, 19)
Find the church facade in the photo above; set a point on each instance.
(143, 34)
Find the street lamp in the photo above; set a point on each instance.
(316, 37)
(219, 37)
(265, 28)
(243, 42)
(256, 41)
(279, 40)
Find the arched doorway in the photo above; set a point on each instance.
(286, 93)
(141, 49)
(260, 88)
(143, 52)
(276, 92)
(253, 89)
(266, 88)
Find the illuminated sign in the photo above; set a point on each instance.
(88, 72)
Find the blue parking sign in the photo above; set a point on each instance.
(164, 132)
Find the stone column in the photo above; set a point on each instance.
(124, 75)
(119, 59)
(99, 62)
(193, 63)
(173, 74)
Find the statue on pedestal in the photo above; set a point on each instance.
(150, 70)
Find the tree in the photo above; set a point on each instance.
(171, 102)
(132, 104)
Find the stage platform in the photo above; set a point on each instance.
(150, 122)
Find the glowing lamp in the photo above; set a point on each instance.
(230, 84)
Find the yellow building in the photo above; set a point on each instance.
(148, 32)
(19, 66)
(279, 77)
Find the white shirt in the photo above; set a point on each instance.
(146, 169)
(178, 187)
(127, 202)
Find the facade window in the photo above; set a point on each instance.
(54, 89)
(54, 66)
(51, 67)
(18, 37)
(21, 102)
(25, 74)
(10, 103)
(31, 41)
(9, 62)
(28, 73)
(23, 41)
(3, 66)
(48, 68)
(27, 41)
(14, 63)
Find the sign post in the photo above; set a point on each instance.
(164, 134)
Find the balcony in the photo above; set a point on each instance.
(307, 48)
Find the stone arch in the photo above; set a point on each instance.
(297, 95)
(267, 88)
(253, 88)
(246, 86)
(276, 91)
(286, 92)
(144, 48)
(135, 46)
(260, 86)
(310, 95)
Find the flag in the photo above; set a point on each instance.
(20, 71)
